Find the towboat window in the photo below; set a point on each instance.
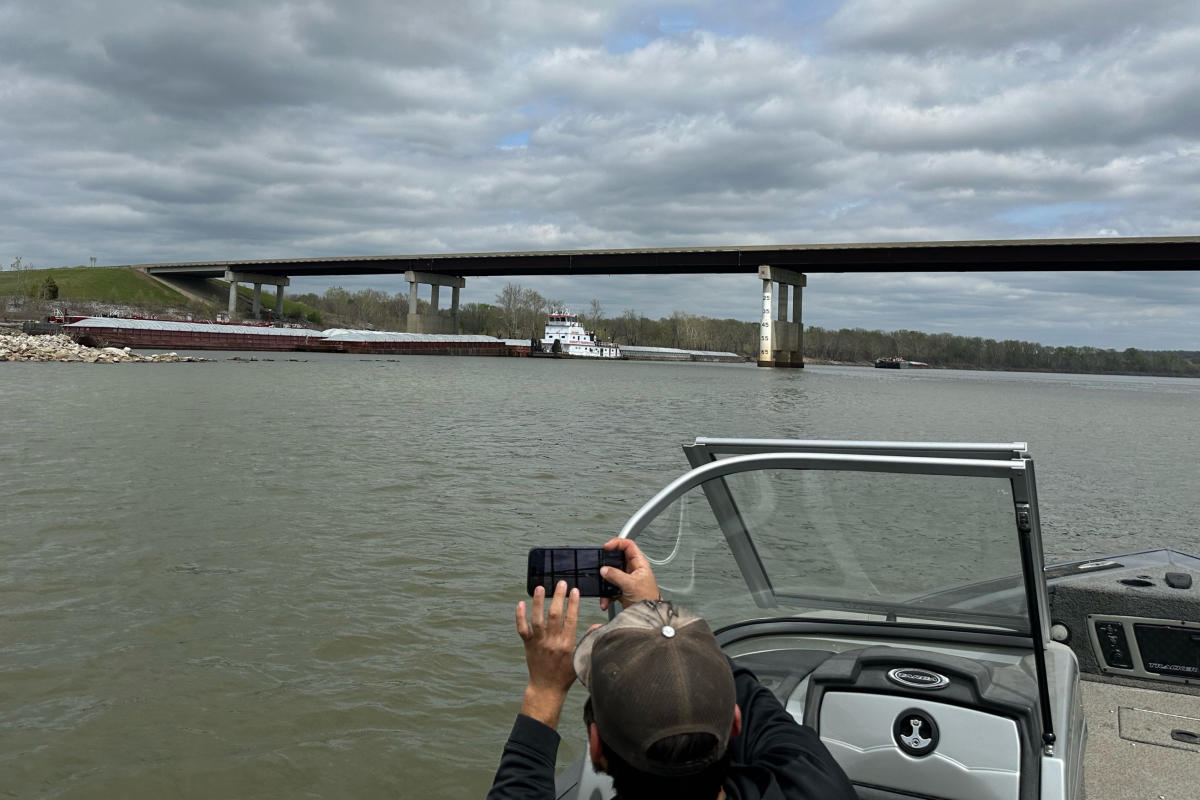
(856, 545)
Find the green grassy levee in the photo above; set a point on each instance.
(117, 285)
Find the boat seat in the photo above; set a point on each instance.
(782, 671)
(907, 723)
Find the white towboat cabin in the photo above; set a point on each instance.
(565, 336)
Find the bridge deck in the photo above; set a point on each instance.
(1011, 255)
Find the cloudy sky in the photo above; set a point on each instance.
(137, 131)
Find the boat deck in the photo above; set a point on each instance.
(1130, 752)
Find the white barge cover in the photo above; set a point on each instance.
(190, 327)
(350, 335)
(676, 351)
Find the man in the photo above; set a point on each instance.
(667, 716)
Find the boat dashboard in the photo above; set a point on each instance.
(1132, 619)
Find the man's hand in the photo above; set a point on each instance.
(549, 648)
(636, 582)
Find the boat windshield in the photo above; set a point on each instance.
(784, 539)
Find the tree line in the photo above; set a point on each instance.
(973, 352)
(520, 313)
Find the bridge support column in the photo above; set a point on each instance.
(279, 302)
(258, 280)
(781, 341)
(432, 322)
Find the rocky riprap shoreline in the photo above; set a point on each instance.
(21, 347)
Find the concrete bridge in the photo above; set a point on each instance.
(781, 268)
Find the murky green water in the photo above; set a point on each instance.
(281, 579)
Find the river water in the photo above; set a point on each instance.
(297, 579)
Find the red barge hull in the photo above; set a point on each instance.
(184, 340)
(410, 348)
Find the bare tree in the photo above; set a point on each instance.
(593, 316)
(533, 312)
(24, 286)
(509, 301)
(627, 328)
(522, 311)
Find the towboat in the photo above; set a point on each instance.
(896, 362)
(893, 596)
(565, 337)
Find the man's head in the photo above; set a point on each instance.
(657, 678)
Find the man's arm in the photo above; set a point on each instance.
(526, 770)
(771, 739)
(527, 765)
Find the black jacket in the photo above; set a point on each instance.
(774, 757)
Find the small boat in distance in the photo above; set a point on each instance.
(565, 337)
(896, 362)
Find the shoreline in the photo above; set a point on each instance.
(16, 345)
(60, 348)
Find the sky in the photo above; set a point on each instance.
(135, 132)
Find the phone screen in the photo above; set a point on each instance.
(578, 566)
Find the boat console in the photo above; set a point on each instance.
(908, 719)
(1135, 617)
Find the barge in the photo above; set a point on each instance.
(640, 353)
(340, 340)
(151, 333)
(146, 333)
(139, 333)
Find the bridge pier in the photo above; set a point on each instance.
(432, 322)
(258, 280)
(781, 341)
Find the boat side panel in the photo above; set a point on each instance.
(1138, 590)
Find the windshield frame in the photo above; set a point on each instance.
(1010, 461)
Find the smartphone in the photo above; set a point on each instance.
(578, 566)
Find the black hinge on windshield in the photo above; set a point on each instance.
(1024, 520)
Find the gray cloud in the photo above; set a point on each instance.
(138, 131)
(1022, 26)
